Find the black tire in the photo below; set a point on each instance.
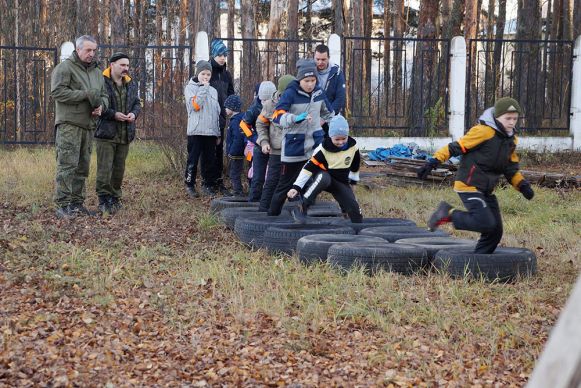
(250, 230)
(400, 258)
(322, 205)
(434, 244)
(229, 215)
(314, 248)
(393, 234)
(283, 238)
(218, 204)
(505, 264)
(373, 222)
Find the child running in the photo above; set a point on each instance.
(334, 166)
(488, 151)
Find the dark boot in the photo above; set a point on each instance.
(104, 204)
(115, 204)
(81, 210)
(65, 213)
(191, 191)
(440, 216)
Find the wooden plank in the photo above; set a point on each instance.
(560, 363)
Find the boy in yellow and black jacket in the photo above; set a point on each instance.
(488, 151)
(334, 166)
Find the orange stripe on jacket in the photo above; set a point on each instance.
(263, 119)
(318, 164)
(246, 129)
(277, 113)
(196, 106)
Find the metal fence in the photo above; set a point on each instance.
(254, 60)
(26, 114)
(397, 86)
(535, 72)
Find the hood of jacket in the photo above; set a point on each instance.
(487, 118)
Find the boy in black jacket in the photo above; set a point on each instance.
(334, 165)
(488, 151)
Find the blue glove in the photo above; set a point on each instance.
(300, 118)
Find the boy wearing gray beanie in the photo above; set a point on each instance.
(334, 166)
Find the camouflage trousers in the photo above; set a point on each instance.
(73, 158)
(110, 167)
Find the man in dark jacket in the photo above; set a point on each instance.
(330, 78)
(221, 81)
(115, 131)
(77, 87)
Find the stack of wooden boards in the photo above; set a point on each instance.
(402, 172)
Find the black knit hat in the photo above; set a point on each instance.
(306, 68)
(117, 56)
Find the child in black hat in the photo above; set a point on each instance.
(235, 143)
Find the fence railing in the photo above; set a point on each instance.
(535, 72)
(26, 114)
(395, 86)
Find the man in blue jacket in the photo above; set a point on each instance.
(331, 80)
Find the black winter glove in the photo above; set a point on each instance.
(427, 168)
(526, 190)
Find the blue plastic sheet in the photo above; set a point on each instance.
(409, 150)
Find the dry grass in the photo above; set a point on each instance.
(175, 252)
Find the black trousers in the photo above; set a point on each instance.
(272, 178)
(289, 173)
(342, 193)
(483, 216)
(219, 158)
(204, 148)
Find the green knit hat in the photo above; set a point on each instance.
(284, 81)
(506, 105)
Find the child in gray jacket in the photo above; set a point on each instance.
(203, 130)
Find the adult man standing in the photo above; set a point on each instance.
(115, 131)
(330, 78)
(77, 86)
(221, 81)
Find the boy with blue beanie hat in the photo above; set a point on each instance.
(235, 143)
(334, 166)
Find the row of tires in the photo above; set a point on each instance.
(388, 244)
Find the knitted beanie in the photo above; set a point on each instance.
(233, 103)
(203, 65)
(217, 47)
(306, 68)
(284, 81)
(266, 90)
(506, 105)
(338, 126)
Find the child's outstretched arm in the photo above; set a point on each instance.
(513, 175)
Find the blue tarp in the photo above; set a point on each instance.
(409, 150)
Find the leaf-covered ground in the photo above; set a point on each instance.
(162, 294)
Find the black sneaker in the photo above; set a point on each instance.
(80, 209)
(440, 216)
(207, 190)
(115, 204)
(191, 191)
(64, 213)
(220, 188)
(299, 213)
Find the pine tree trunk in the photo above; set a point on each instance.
(497, 55)
(231, 23)
(576, 19)
(338, 17)
(489, 77)
(528, 63)
(117, 23)
(386, 53)
(292, 34)
(278, 9)
(249, 77)
(423, 69)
